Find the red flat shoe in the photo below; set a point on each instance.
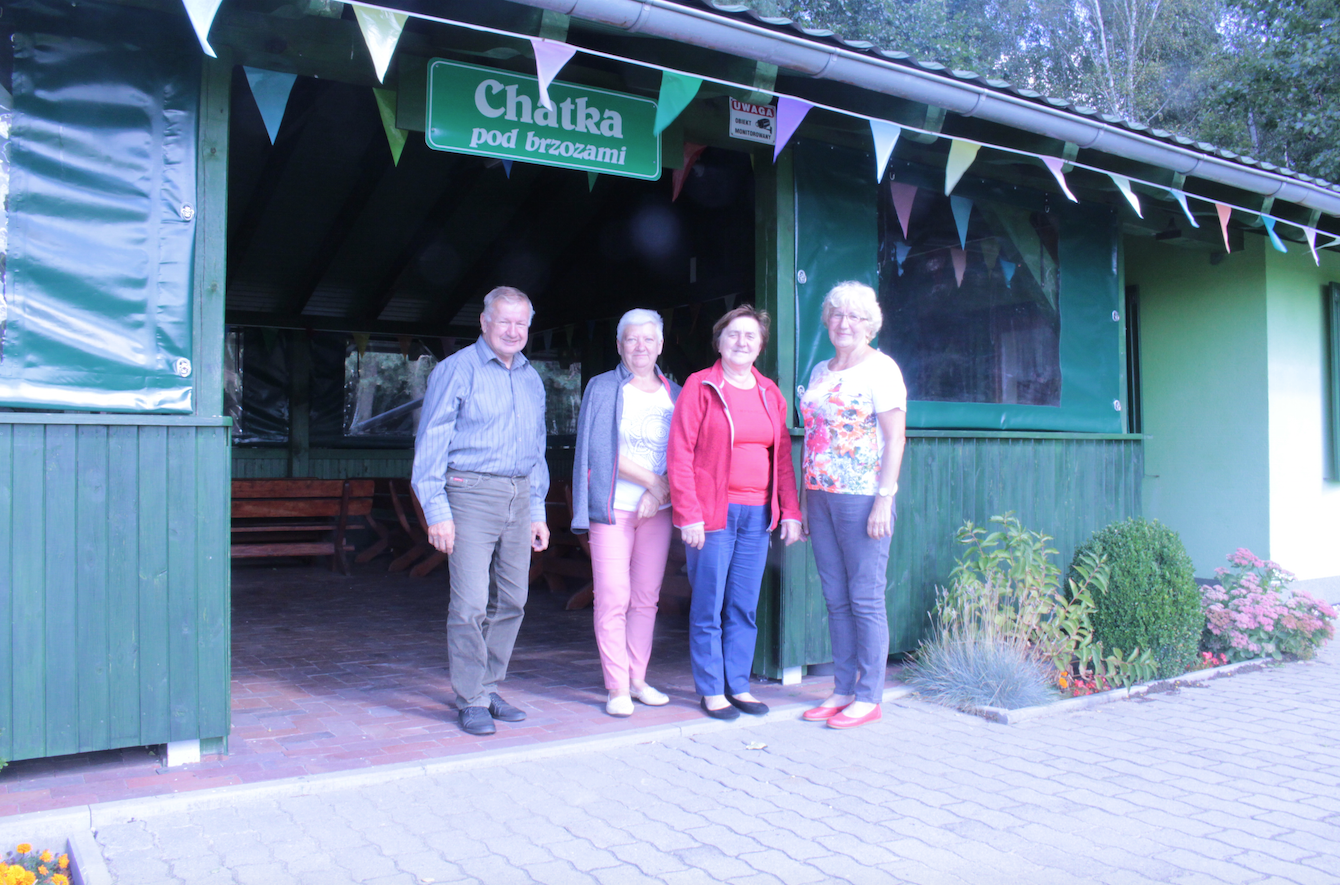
(819, 714)
(842, 720)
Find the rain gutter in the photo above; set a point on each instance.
(683, 24)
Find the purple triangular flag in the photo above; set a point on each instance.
(790, 111)
(903, 197)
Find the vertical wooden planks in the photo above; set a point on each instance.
(123, 627)
(182, 662)
(29, 592)
(213, 580)
(61, 623)
(91, 533)
(155, 726)
(211, 234)
(7, 621)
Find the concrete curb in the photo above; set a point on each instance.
(1087, 702)
(86, 819)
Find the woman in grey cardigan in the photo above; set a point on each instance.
(620, 495)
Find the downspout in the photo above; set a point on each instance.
(684, 24)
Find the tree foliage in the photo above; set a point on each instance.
(1260, 77)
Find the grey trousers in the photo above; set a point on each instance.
(489, 567)
(852, 567)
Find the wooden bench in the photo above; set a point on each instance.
(298, 517)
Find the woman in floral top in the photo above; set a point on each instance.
(855, 411)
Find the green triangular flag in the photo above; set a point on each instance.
(591, 180)
(386, 107)
(677, 90)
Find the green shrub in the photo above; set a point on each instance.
(1152, 601)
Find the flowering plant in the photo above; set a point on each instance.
(24, 866)
(1253, 612)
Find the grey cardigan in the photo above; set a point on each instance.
(595, 465)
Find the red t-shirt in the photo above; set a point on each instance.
(751, 457)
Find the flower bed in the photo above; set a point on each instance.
(24, 866)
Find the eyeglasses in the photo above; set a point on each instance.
(849, 317)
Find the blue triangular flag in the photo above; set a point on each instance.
(886, 136)
(271, 90)
(1008, 268)
(900, 251)
(1270, 232)
(962, 207)
(548, 339)
(591, 330)
(507, 168)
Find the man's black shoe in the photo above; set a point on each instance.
(476, 720)
(500, 709)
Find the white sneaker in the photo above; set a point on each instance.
(619, 705)
(649, 696)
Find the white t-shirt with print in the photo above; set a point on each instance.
(843, 440)
(644, 434)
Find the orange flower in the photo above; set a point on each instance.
(41, 870)
(64, 861)
(46, 856)
(23, 848)
(58, 879)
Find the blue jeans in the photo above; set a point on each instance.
(852, 571)
(723, 614)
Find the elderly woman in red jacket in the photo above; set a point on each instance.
(731, 484)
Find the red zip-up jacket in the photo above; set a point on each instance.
(701, 438)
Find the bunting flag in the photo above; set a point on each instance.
(404, 341)
(1055, 164)
(386, 99)
(591, 330)
(1007, 267)
(448, 346)
(962, 208)
(1124, 185)
(1180, 197)
(730, 301)
(900, 251)
(1225, 212)
(790, 111)
(361, 342)
(507, 168)
(381, 32)
(960, 259)
(677, 90)
(961, 155)
(1270, 232)
(550, 57)
(201, 13)
(271, 90)
(548, 336)
(568, 331)
(990, 252)
(590, 180)
(903, 197)
(886, 136)
(678, 176)
(1311, 234)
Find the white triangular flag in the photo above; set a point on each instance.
(381, 32)
(1180, 197)
(1311, 234)
(886, 136)
(550, 57)
(1124, 185)
(1055, 164)
(201, 13)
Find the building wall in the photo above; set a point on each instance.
(1203, 332)
(1304, 506)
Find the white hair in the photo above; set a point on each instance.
(506, 294)
(859, 298)
(639, 316)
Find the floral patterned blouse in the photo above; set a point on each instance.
(843, 440)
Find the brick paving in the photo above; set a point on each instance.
(332, 673)
(1233, 781)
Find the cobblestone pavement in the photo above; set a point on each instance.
(1237, 781)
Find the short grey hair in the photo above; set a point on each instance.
(858, 298)
(639, 316)
(508, 294)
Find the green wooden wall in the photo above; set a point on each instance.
(114, 550)
(1066, 485)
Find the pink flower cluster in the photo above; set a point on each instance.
(1252, 612)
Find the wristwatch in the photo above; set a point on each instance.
(886, 492)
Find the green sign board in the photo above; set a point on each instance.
(493, 113)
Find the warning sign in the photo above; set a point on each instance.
(753, 122)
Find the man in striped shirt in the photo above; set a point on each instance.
(480, 474)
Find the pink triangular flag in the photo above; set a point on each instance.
(790, 111)
(1055, 164)
(960, 259)
(550, 57)
(677, 178)
(903, 197)
(1225, 212)
(1311, 234)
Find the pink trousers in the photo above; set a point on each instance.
(627, 566)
